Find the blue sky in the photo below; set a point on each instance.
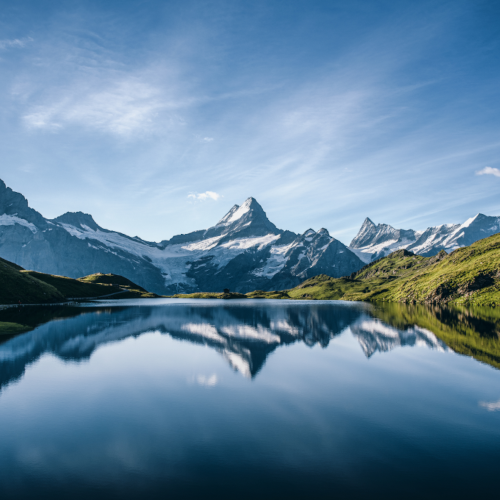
(157, 116)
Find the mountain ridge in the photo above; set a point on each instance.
(243, 251)
(374, 241)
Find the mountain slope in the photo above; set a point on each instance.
(19, 287)
(242, 252)
(469, 275)
(375, 241)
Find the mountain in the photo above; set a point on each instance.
(244, 251)
(378, 240)
(467, 276)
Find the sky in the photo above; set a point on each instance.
(156, 117)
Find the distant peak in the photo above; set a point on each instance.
(251, 203)
(368, 222)
(309, 232)
(477, 217)
(324, 231)
(237, 212)
(78, 219)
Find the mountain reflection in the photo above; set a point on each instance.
(243, 333)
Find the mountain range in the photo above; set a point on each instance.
(379, 240)
(244, 251)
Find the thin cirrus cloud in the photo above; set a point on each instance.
(16, 43)
(207, 195)
(489, 171)
(490, 406)
(120, 108)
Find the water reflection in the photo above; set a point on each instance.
(244, 333)
(156, 412)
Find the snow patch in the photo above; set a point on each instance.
(10, 220)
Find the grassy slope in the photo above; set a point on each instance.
(467, 276)
(209, 295)
(115, 280)
(19, 287)
(71, 288)
(30, 287)
(111, 279)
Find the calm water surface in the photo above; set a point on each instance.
(248, 399)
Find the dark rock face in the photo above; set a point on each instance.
(376, 241)
(244, 251)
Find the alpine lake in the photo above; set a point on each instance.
(249, 399)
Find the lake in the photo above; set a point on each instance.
(249, 399)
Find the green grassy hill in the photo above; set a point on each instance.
(467, 276)
(18, 286)
(71, 288)
(118, 282)
(111, 279)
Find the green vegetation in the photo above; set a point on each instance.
(474, 332)
(275, 294)
(468, 276)
(111, 279)
(11, 329)
(209, 295)
(18, 286)
(71, 288)
(130, 289)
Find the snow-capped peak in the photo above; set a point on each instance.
(468, 222)
(229, 215)
(77, 219)
(237, 212)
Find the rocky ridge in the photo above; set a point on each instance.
(374, 241)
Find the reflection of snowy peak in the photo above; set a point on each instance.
(373, 336)
(244, 251)
(375, 241)
(242, 333)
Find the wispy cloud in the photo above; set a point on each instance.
(207, 381)
(16, 43)
(121, 107)
(489, 171)
(207, 195)
(493, 406)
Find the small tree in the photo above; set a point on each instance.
(226, 290)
